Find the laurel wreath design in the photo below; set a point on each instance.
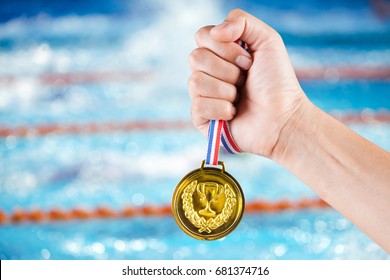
(200, 222)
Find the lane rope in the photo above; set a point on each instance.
(357, 72)
(363, 117)
(103, 212)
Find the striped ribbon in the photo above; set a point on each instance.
(219, 131)
(242, 44)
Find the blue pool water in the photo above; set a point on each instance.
(142, 167)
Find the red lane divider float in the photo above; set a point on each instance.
(57, 215)
(364, 117)
(314, 73)
(95, 77)
(90, 128)
(381, 8)
(344, 72)
(63, 79)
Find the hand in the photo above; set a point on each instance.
(256, 92)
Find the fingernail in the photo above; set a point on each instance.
(244, 62)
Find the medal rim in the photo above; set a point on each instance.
(179, 188)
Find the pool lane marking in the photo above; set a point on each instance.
(362, 117)
(334, 73)
(57, 214)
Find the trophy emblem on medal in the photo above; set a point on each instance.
(209, 193)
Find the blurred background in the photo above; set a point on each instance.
(95, 123)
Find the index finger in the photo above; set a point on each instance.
(228, 51)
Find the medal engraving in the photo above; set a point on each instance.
(208, 203)
(208, 219)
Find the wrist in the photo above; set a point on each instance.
(299, 124)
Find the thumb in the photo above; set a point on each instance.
(241, 25)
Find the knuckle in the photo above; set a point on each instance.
(196, 56)
(193, 119)
(235, 12)
(225, 91)
(196, 107)
(195, 79)
(194, 82)
(200, 34)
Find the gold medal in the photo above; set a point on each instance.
(208, 203)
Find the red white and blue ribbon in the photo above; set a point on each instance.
(219, 131)
(227, 140)
(242, 44)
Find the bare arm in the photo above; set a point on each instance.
(343, 168)
(270, 115)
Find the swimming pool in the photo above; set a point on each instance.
(94, 113)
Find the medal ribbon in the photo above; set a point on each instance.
(219, 131)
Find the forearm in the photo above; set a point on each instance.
(346, 170)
